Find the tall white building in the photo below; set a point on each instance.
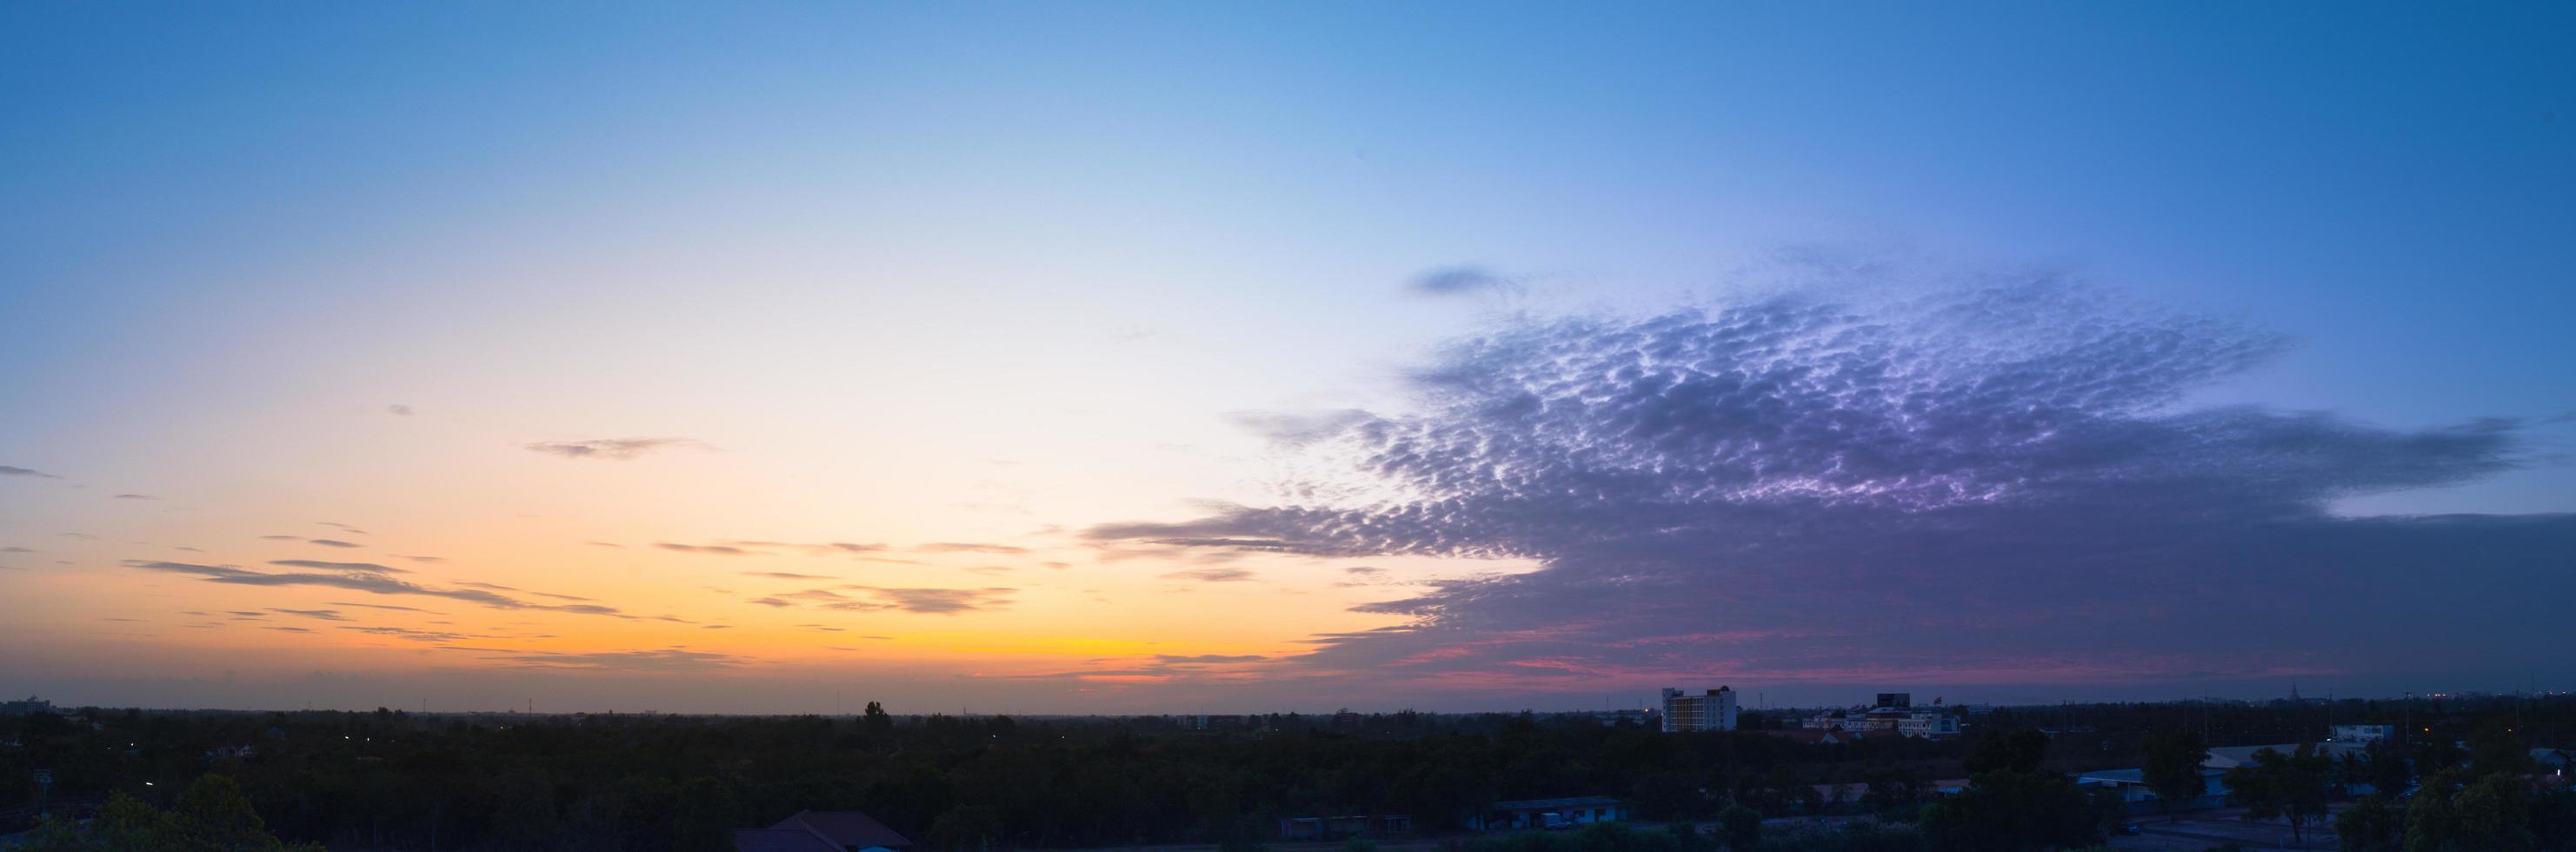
(1714, 711)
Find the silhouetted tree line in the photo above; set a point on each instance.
(392, 780)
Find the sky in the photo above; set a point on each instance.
(1188, 358)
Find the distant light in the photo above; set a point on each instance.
(147, 783)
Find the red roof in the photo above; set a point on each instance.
(846, 829)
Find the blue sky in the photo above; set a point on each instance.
(918, 242)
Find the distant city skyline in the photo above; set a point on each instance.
(1158, 358)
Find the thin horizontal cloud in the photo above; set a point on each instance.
(329, 542)
(385, 606)
(398, 410)
(934, 601)
(412, 635)
(710, 549)
(361, 580)
(1212, 575)
(361, 567)
(612, 449)
(968, 547)
(323, 614)
(751, 547)
(342, 527)
(136, 497)
(605, 544)
(1457, 280)
(12, 470)
(675, 659)
(1210, 658)
(421, 558)
(788, 575)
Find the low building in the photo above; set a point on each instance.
(2213, 772)
(2132, 786)
(2230, 757)
(1894, 712)
(2364, 734)
(1344, 827)
(2553, 762)
(821, 831)
(1545, 813)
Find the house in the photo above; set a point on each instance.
(1343, 827)
(2553, 761)
(822, 831)
(1537, 813)
(2132, 787)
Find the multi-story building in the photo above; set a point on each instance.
(2363, 733)
(1713, 711)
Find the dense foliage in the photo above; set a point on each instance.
(392, 780)
(212, 816)
(651, 782)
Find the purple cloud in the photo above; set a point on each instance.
(1994, 486)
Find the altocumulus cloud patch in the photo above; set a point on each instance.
(1993, 486)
